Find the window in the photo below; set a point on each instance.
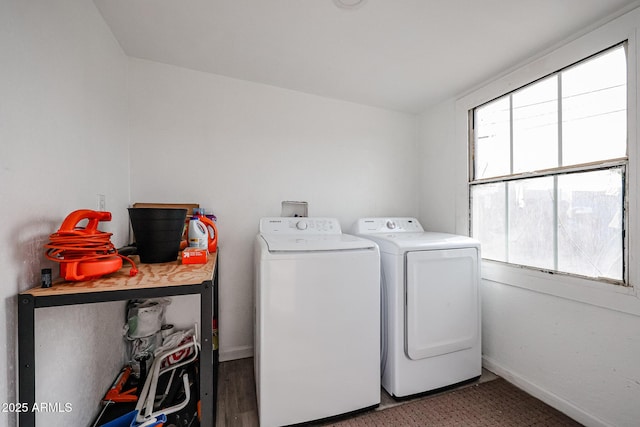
(548, 167)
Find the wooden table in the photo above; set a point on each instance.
(152, 281)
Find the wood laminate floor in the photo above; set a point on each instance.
(237, 407)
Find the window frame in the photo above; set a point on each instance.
(606, 164)
(597, 38)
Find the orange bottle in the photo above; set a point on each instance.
(212, 234)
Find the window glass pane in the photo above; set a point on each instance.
(565, 220)
(594, 109)
(489, 219)
(590, 223)
(492, 133)
(535, 126)
(531, 222)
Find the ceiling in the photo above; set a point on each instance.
(403, 55)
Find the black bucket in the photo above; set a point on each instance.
(158, 232)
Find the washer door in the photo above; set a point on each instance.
(442, 303)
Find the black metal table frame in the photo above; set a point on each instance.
(27, 304)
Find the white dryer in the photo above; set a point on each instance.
(431, 305)
(317, 321)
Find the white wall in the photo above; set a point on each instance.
(575, 345)
(439, 168)
(241, 148)
(63, 140)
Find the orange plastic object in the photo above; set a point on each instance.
(94, 217)
(87, 270)
(211, 226)
(115, 393)
(194, 256)
(85, 253)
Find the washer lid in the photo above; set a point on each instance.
(315, 242)
(287, 234)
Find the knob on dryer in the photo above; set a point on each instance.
(302, 225)
(391, 225)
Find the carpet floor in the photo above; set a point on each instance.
(493, 403)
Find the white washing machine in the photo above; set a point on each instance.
(317, 321)
(431, 305)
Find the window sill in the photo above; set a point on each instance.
(593, 292)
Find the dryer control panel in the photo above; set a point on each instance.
(299, 225)
(387, 225)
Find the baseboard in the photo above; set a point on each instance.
(240, 352)
(547, 397)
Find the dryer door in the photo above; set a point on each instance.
(442, 302)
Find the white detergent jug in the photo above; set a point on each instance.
(198, 234)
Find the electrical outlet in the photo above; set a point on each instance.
(102, 203)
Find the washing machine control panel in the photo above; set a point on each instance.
(387, 225)
(299, 225)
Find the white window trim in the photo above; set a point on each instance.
(615, 297)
